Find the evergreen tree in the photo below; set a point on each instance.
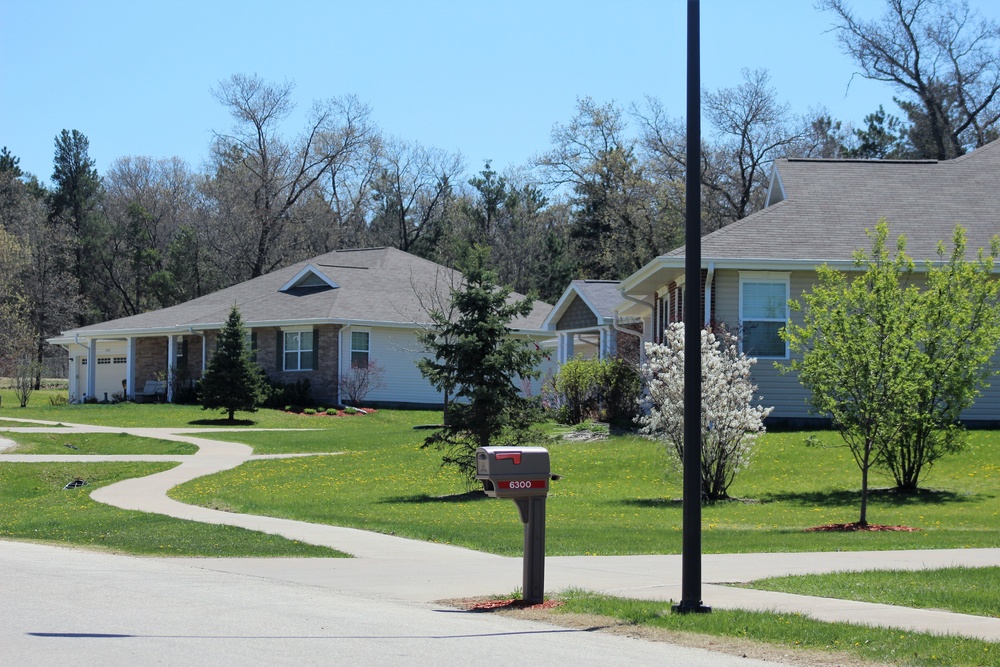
(478, 363)
(232, 381)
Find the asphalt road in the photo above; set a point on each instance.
(63, 606)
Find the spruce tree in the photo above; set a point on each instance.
(478, 362)
(232, 381)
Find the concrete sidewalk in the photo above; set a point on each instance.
(396, 568)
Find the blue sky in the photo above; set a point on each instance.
(487, 79)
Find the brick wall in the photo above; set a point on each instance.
(323, 380)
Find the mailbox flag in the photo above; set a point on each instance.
(515, 457)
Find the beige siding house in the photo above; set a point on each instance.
(817, 212)
(306, 321)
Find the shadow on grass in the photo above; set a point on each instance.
(890, 496)
(222, 422)
(423, 498)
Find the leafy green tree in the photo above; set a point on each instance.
(476, 359)
(958, 334)
(893, 365)
(232, 381)
(858, 342)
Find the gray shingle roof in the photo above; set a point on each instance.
(601, 294)
(376, 285)
(828, 205)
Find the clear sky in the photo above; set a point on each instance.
(487, 79)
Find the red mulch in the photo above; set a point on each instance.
(500, 605)
(857, 527)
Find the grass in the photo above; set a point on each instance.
(35, 507)
(93, 443)
(960, 590)
(795, 632)
(620, 496)
(154, 415)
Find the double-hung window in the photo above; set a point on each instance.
(360, 348)
(299, 347)
(763, 313)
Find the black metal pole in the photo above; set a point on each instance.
(533, 574)
(693, 322)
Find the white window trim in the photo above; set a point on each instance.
(351, 350)
(784, 277)
(284, 349)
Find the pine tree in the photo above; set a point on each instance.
(478, 362)
(232, 381)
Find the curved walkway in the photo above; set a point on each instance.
(399, 568)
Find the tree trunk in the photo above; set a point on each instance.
(863, 521)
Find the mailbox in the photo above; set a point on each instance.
(513, 472)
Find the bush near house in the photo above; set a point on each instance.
(598, 390)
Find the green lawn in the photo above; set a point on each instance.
(958, 589)
(792, 632)
(154, 415)
(35, 507)
(616, 497)
(92, 443)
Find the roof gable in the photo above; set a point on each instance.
(309, 276)
(600, 296)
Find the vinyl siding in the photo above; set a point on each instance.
(783, 391)
(397, 351)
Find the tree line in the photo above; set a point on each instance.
(604, 198)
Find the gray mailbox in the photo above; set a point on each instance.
(521, 474)
(513, 472)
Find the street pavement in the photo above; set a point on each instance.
(390, 574)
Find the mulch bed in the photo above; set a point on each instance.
(340, 413)
(502, 605)
(857, 527)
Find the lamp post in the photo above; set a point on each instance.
(693, 318)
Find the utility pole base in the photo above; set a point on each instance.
(690, 608)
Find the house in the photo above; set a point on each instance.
(816, 212)
(586, 324)
(311, 320)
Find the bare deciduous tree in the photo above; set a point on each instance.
(261, 178)
(942, 57)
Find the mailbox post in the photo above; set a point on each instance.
(521, 474)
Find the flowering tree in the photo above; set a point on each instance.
(730, 423)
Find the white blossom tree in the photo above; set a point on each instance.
(730, 422)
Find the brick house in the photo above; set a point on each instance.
(306, 321)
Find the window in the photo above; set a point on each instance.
(299, 350)
(120, 360)
(360, 342)
(103, 360)
(250, 342)
(763, 313)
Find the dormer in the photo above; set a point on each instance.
(310, 277)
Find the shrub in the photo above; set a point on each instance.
(309, 411)
(594, 389)
(579, 382)
(288, 394)
(332, 412)
(361, 379)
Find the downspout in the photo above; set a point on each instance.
(708, 294)
(618, 327)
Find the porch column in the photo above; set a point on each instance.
(130, 369)
(91, 369)
(171, 360)
(204, 353)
